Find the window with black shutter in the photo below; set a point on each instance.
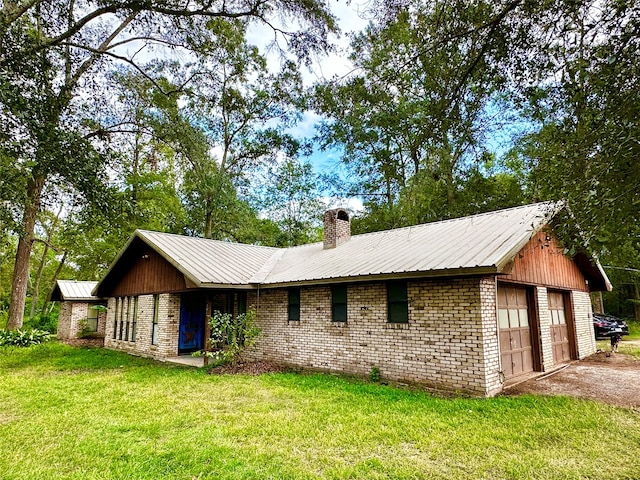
(294, 304)
(339, 303)
(397, 302)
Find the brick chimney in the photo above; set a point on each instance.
(337, 227)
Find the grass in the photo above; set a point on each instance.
(97, 414)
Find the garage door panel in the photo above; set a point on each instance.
(515, 334)
(559, 329)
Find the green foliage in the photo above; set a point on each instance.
(230, 336)
(290, 196)
(47, 322)
(374, 374)
(23, 338)
(417, 119)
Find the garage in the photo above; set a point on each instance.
(560, 342)
(516, 349)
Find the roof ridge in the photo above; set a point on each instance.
(208, 240)
(456, 219)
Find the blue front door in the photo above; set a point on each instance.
(192, 313)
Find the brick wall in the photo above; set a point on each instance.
(583, 319)
(70, 320)
(490, 335)
(168, 326)
(64, 321)
(544, 319)
(450, 341)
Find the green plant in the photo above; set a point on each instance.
(230, 336)
(374, 374)
(45, 321)
(23, 338)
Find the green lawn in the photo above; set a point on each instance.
(80, 413)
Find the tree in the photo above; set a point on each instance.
(290, 196)
(53, 57)
(243, 110)
(415, 114)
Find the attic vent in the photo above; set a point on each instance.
(337, 227)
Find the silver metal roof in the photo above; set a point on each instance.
(478, 244)
(481, 243)
(209, 262)
(75, 290)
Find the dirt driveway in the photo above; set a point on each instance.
(613, 379)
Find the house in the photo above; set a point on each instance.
(467, 304)
(81, 319)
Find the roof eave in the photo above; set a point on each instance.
(381, 277)
(192, 281)
(505, 263)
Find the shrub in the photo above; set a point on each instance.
(45, 321)
(229, 336)
(23, 338)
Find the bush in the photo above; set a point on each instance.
(229, 336)
(23, 338)
(46, 321)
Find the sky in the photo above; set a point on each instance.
(351, 18)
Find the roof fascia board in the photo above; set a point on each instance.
(115, 262)
(505, 263)
(456, 272)
(189, 278)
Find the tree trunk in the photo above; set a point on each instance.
(208, 220)
(36, 284)
(23, 255)
(55, 278)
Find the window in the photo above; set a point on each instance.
(339, 303)
(242, 303)
(397, 302)
(92, 318)
(126, 330)
(294, 304)
(121, 318)
(134, 319)
(115, 319)
(154, 325)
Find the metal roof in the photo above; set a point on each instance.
(74, 290)
(482, 243)
(209, 262)
(478, 244)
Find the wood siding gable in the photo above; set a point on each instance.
(143, 271)
(542, 262)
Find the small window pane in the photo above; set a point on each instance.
(503, 316)
(242, 303)
(294, 312)
(397, 291)
(561, 319)
(524, 318)
(513, 318)
(339, 303)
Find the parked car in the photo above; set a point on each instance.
(604, 324)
